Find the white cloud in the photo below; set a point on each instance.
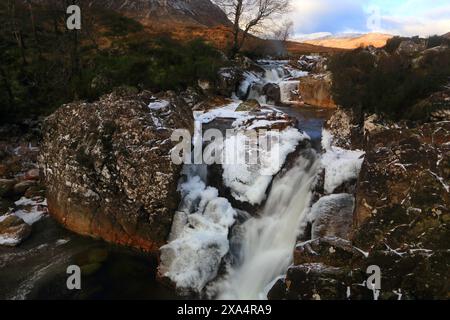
(403, 17)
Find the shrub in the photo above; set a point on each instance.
(66, 66)
(388, 84)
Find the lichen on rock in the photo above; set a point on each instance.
(108, 170)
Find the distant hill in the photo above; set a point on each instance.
(352, 41)
(447, 35)
(298, 48)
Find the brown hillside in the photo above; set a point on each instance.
(371, 39)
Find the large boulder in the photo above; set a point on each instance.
(315, 90)
(108, 169)
(332, 216)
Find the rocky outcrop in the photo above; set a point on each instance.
(405, 174)
(332, 215)
(410, 48)
(108, 170)
(400, 220)
(249, 105)
(314, 64)
(315, 90)
(225, 84)
(435, 107)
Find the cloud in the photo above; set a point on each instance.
(403, 17)
(311, 16)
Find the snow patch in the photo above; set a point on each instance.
(33, 209)
(158, 104)
(340, 164)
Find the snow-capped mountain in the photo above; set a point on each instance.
(197, 12)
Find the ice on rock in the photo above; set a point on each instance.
(248, 180)
(227, 111)
(340, 164)
(288, 89)
(199, 237)
(158, 104)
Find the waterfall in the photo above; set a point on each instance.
(267, 241)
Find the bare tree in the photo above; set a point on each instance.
(249, 15)
(284, 31)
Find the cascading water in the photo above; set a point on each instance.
(259, 250)
(267, 241)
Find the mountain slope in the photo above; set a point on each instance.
(167, 12)
(352, 42)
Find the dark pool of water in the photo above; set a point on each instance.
(37, 269)
(310, 120)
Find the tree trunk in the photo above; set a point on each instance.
(16, 32)
(236, 29)
(33, 26)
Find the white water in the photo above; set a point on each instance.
(268, 241)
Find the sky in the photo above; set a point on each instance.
(398, 17)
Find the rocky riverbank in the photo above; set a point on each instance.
(22, 193)
(399, 220)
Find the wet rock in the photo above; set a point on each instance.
(5, 205)
(249, 105)
(278, 291)
(272, 92)
(108, 170)
(315, 90)
(331, 251)
(228, 81)
(316, 281)
(35, 191)
(6, 187)
(13, 230)
(32, 174)
(22, 187)
(332, 216)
